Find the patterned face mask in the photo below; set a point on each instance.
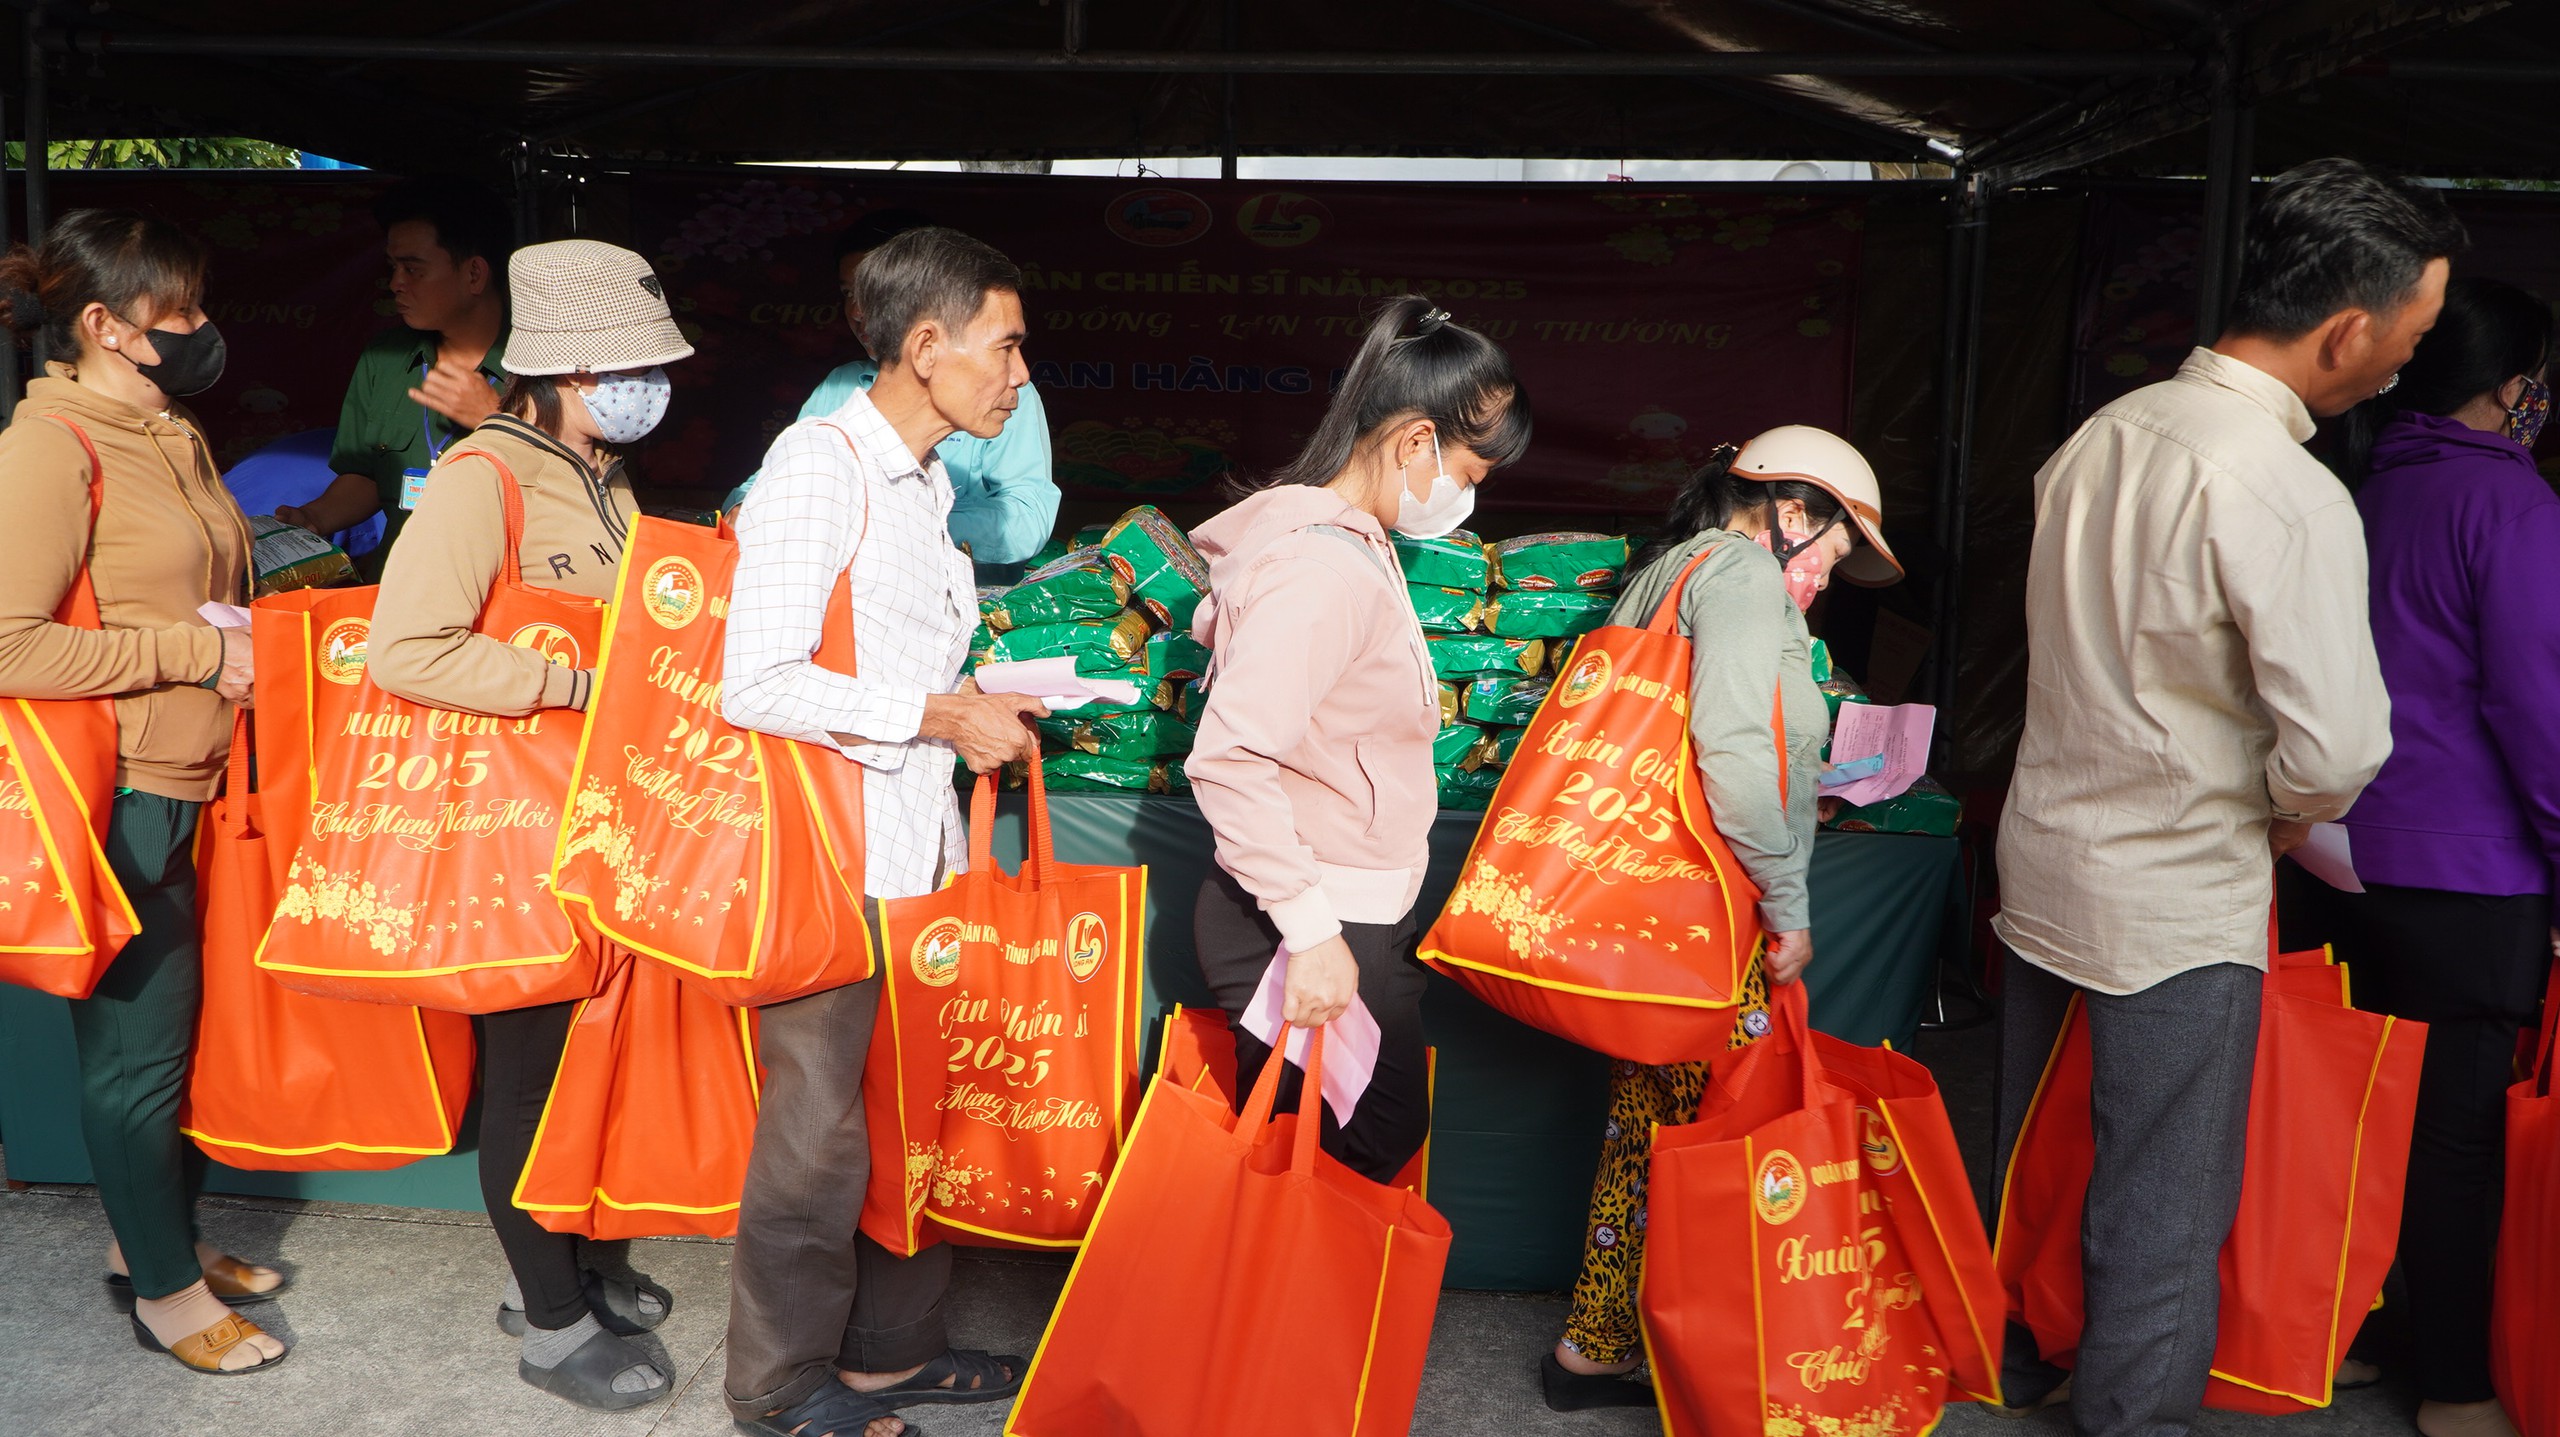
(627, 406)
(2525, 416)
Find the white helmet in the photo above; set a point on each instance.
(1822, 458)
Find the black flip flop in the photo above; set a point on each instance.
(834, 1410)
(1570, 1391)
(963, 1367)
(120, 1293)
(586, 1375)
(613, 1299)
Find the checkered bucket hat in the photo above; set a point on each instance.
(583, 304)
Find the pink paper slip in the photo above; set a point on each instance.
(1899, 732)
(1350, 1041)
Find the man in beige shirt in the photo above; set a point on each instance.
(2201, 687)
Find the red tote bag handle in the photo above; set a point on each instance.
(1266, 1093)
(1041, 864)
(2550, 1034)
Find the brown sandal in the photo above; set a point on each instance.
(228, 1279)
(203, 1353)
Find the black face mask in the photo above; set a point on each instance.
(189, 363)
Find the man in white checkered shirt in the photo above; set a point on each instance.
(827, 1329)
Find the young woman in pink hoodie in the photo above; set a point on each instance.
(1313, 762)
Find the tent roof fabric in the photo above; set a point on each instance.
(2122, 87)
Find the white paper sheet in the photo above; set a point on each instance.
(1899, 732)
(1053, 682)
(1350, 1041)
(222, 615)
(2325, 856)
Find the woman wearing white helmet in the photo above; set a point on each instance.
(1776, 519)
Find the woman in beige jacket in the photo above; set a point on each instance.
(118, 300)
(591, 329)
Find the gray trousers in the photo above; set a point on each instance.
(808, 1294)
(2169, 1105)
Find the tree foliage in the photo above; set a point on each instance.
(223, 153)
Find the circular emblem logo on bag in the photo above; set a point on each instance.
(671, 591)
(936, 956)
(1778, 1189)
(342, 650)
(1087, 941)
(1587, 681)
(549, 640)
(1884, 1155)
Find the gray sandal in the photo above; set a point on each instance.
(614, 1300)
(586, 1375)
(834, 1410)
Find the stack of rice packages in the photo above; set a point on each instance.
(1501, 618)
(1119, 601)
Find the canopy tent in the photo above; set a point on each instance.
(2023, 87)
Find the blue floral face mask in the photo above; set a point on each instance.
(626, 407)
(2526, 415)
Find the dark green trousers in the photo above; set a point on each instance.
(134, 1035)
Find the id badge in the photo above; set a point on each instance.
(413, 487)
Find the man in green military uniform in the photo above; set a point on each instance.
(419, 387)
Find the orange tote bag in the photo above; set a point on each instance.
(423, 838)
(1239, 1281)
(63, 916)
(652, 1114)
(2332, 1101)
(1599, 902)
(285, 1082)
(1778, 1294)
(1003, 1071)
(732, 857)
(1199, 1053)
(2524, 1324)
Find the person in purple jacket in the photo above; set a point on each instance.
(2458, 839)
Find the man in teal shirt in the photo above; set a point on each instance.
(1003, 502)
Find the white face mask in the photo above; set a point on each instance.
(1447, 508)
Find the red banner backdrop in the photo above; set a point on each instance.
(296, 283)
(1182, 328)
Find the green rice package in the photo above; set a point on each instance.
(1455, 560)
(1192, 701)
(1079, 586)
(1468, 789)
(1150, 734)
(1450, 698)
(1165, 574)
(1502, 745)
(1454, 744)
(1504, 701)
(1925, 807)
(1098, 646)
(1048, 554)
(1173, 655)
(1447, 611)
(1821, 660)
(1539, 562)
(1547, 613)
(1088, 537)
(1092, 773)
(288, 556)
(1462, 657)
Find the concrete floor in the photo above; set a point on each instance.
(390, 1320)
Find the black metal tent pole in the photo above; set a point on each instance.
(2229, 144)
(38, 140)
(1959, 376)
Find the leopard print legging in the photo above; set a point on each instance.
(1602, 1323)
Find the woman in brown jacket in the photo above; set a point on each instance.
(591, 330)
(119, 301)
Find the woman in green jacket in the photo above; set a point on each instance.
(1775, 520)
